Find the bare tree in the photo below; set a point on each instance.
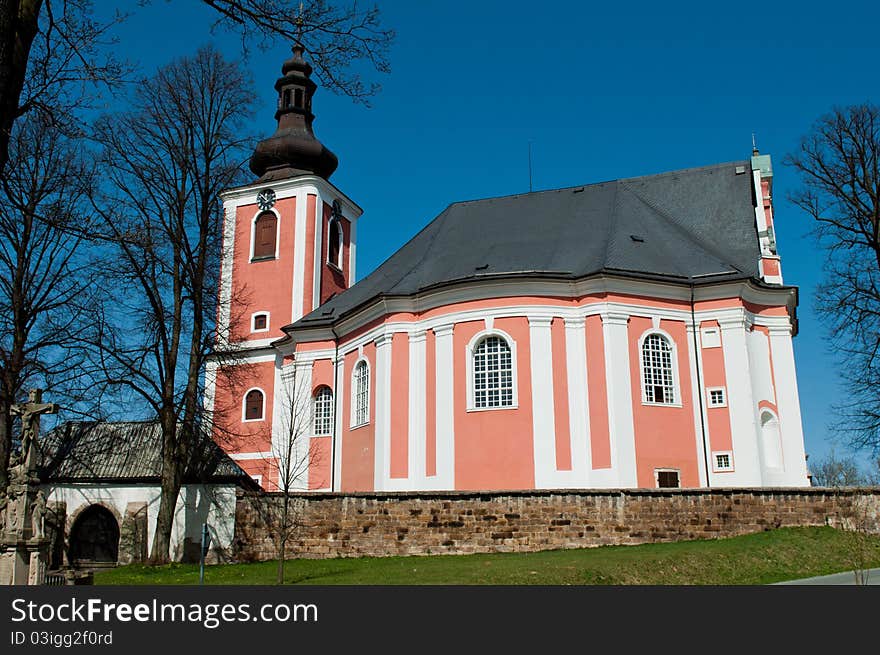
(292, 453)
(53, 58)
(45, 281)
(165, 163)
(62, 47)
(837, 471)
(839, 166)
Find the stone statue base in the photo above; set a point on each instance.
(24, 562)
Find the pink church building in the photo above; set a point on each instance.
(631, 333)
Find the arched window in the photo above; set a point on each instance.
(323, 410)
(265, 230)
(334, 246)
(657, 374)
(361, 388)
(253, 405)
(493, 373)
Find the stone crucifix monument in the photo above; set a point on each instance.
(24, 548)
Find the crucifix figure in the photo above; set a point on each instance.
(30, 425)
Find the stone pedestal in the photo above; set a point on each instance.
(24, 548)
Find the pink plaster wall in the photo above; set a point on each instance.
(399, 405)
(358, 444)
(265, 285)
(560, 396)
(597, 388)
(664, 435)
(714, 375)
(493, 448)
(332, 279)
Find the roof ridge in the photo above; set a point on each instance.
(678, 171)
(670, 220)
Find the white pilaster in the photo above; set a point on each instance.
(701, 418)
(578, 400)
(226, 258)
(543, 419)
(417, 410)
(338, 400)
(788, 404)
(445, 409)
(292, 422)
(299, 253)
(352, 260)
(620, 410)
(318, 262)
(382, 470)
(740, 404)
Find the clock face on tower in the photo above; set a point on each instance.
(266, 199)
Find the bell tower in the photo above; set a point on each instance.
(288, 245)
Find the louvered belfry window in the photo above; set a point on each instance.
(493, 374)
(657, 375)
(323, 411)
(253, 405)
(334, 247)
(265, 231)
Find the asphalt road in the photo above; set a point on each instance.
(845, 578)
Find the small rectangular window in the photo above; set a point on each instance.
(667, 479)
(261, 322)
(723, 461)
(716, 397)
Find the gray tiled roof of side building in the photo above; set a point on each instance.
(97, 451)
(695, 224)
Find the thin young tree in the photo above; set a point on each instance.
(62, 39)
(839, 167)
(165, 161)
(293, 452)
(45, 278)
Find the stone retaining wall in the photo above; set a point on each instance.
(383, 524)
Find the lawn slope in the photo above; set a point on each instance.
(760, 558)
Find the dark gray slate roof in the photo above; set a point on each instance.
(678, 225)
(80, 451)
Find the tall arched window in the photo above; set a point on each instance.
(265, 230)
(334, 246)
(658, 377)
(493, 373)
(361, 393)
(323, 411)
(253, 405)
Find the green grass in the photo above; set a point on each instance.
(760, 558)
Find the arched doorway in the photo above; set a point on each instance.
(94, 538)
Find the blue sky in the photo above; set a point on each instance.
(601, 92)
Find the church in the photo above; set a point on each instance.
(635, 333)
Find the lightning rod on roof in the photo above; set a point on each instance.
(754, 146)
(530, 166)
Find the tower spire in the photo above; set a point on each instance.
(293, 149)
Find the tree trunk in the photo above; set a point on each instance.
(18, 27)
(282, 550)
(172, 475)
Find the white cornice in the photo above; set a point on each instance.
(247, 195)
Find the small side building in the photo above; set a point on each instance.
(102, 483)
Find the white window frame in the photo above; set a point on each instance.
(722, 469)
(254, 321)
(244, 406)
(676, 385)
(259, 213)
(709, 402)
(353, 408)
(336, 264)
(666, 470)
(471, 376)
(330, 419)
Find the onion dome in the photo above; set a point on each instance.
(293, 149)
